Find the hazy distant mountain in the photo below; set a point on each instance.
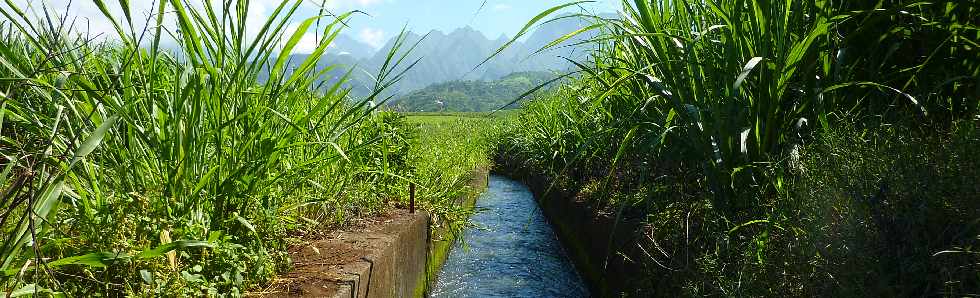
(454, 56)
(345, 45)
(446, 57)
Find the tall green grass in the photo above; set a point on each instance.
(132, 169)
(449, 149)
(696, 116)
(738, 81)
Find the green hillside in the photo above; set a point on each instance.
(472, 96)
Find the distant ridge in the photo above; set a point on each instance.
(452, 56)
(472, 96)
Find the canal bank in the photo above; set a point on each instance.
(600, 246)
(401, 254)
(396, 254)
(440, 239)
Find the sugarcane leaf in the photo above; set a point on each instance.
(168, 247)
(94, 140)
(745, 72)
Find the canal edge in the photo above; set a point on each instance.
(584, 235)
(440, 240)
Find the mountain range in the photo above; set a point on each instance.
(454, 56)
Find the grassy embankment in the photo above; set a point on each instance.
(128, 169)
(450, 149)
(814, 148)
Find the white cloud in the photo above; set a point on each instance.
(372, 37)
(89, 19)
(306, 44)
(84, 16)
(501, 7)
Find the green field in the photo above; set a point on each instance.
(461, 96)
(792, 148)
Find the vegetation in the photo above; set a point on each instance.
(128, 169)
(795, 148)
(814, 148)
(446, 152)
(472, 96)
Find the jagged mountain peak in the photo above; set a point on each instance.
(456, 55)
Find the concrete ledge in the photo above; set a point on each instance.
(395, 255)
(386, 258)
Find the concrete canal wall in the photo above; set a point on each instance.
(441, 240)
(386, 258)
(601, 248)
(395, 255)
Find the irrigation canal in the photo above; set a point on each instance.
(511, 251)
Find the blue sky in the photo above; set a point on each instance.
(386, 17)
(496, 17)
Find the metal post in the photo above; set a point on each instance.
(411, 197)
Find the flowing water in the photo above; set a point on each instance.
(511, 252)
